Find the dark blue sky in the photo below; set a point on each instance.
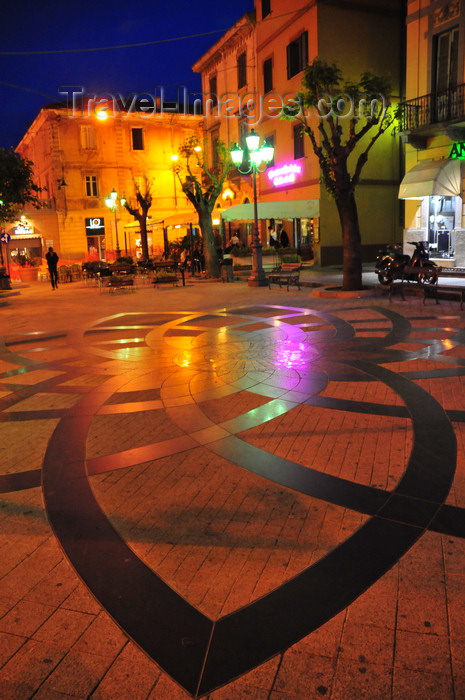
(33, 80)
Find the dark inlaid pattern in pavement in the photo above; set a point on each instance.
(286, 356)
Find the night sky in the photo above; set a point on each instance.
(27, 82)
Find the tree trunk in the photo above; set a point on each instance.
(212, 264)
(351, 242)
(143, 237)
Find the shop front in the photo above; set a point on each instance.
(95, 238)
(435, 213)
(299, 218)
(25, 245)
(23, 251)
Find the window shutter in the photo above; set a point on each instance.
(267, 75)
(87, 137)
(289, 61)
(303, 53)
(442, 65)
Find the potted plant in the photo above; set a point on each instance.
(289, 255)
(28, 269)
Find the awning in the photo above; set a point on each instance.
(294, 209)
(167, 218)
(432, 177)
(182, 218)
(150, 223)
(25, 236)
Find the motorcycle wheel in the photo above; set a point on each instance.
(385, 277)
(428, 275)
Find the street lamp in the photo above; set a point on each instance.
(112, 204)
(257, 155)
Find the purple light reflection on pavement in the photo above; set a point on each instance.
(294, 354)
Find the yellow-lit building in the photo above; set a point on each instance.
(257, 65)
(80, 158)
(433, 129)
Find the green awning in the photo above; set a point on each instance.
(293, 209)
(432, 177)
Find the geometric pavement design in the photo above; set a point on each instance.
(136, 392)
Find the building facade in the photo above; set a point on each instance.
(258, 65)
(433, 129)
(80, 156)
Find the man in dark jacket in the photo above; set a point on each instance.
(52, 263)
(283, 238)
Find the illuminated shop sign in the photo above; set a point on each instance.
(95, 226)
(23, 229)
(285, 175)
(457, 150)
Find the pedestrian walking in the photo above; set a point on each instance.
(283, 238)
(52, 264)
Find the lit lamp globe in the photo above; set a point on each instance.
(256, 155)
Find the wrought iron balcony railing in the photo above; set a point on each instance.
(443, 106)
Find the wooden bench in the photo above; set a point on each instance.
(168, 273)
(287, 273)
(413, 285)
(120, 282)
(165, 276)
(436, 290)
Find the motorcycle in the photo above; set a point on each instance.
(391, 262)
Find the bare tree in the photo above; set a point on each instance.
(346, 112)
(202, 185)
(140, 212)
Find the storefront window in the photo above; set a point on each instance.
(304, 229)
(96, 248)
(441, 226)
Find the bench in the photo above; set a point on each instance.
(168, 272)
(165, 276)
(286, 273)
(120, 282)
(436, 290)
(414, 285)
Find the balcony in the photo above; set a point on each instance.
(436, 108)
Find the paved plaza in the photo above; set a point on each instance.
(227, 492)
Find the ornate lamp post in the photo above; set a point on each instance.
(257, 156)
(112, 204)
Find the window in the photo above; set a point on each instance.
(267, 75)
(241, 70)
(213, 94)
(442, 217)
(299, 144)
(215, 137)
(243, 132)
(91, 186)
(87, 137)
(445, 74)
(297, 55)
(266, 8)
(271, 142)
(137, 139)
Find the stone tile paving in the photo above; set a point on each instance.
(245, 500)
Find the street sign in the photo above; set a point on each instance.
(5, 237)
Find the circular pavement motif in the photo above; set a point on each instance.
(174, 363)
